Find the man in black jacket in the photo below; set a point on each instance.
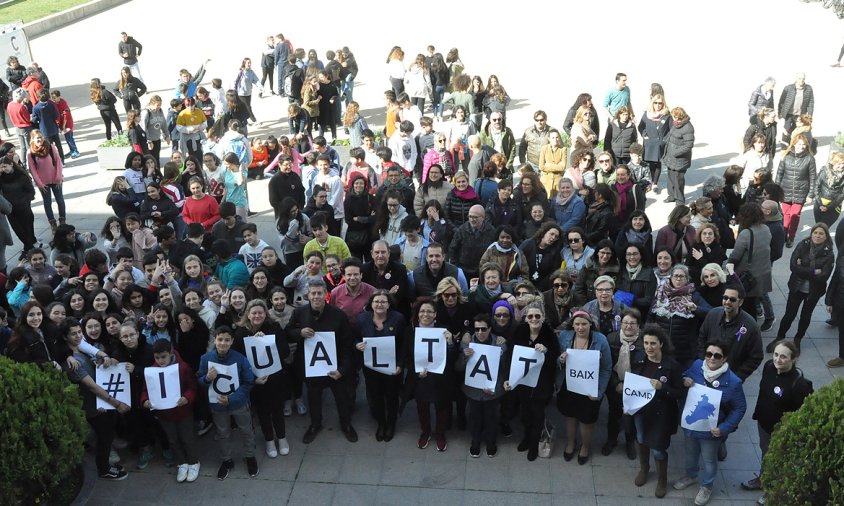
(470, 241)
(285, 183)
(317, 316)
(425, 278)
(130, 49)
(388, 275)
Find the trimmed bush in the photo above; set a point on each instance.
(43, 430)
(804, 462)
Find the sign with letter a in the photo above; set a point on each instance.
(320, 354)
(163, 386)
(582, 371)
(262, 353)
(637, 393)
(482, 366)
(114, 380)
(525, 366)
(701, 410)
(226, 383)
(429, 350)
(380, 354)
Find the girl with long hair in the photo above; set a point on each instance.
(45, 166)
(130, 88)
(105, 100)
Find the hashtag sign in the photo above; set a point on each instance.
(114, 385)
(116, 382)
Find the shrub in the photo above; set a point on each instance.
(118, 141)
(43, 430)
(803, 464)
(839, 139)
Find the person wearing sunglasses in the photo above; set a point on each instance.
(654, 127)
(484, 404)
(575, 252)
(713, 371)
(455, 315)
(558, 299)
(606, 168)
(499, 137)
(582, 135)
(581, 168)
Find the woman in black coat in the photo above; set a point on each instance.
(706, 250)
(656, 422)
(637, 278)
(16, 186)
(157, 209)
(130, 88)
(811, 266)
(654, 127)
(542, 252)
(359, 215)
(834, 302)
(600, 215)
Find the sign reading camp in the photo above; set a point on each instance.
(320, 354)
(638, 391)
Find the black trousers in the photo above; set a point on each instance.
(616, 419)
(247, 101)
(21, 219)
(382, 395)
(103, 425)
(110, 116)
(792, 305)
(340, 390)
(268, 400)
(533, 415)
(677, 185)
(132, 103)
(483, 421)
(156, 150)
(267, 72)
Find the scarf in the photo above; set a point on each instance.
(562, 201)
(576, 177)
(622, 193)
(672, 301)
(710, 375)
(467, 194)
(637, 237)
(679, 123)
(623, 364)
(444, 162)
(834, 179)
(655, 116)
(511, 249)
(634, 271)
(595, 207)
(495, 292)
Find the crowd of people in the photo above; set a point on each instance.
(442, 219)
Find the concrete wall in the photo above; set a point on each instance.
(60, 19)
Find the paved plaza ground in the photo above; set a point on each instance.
(708, 56)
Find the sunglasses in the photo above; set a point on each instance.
(449, 295)
(561, 285)
(496, 120)
(574, 240)
(728, 298)
(603, 160)
(716, 356)
(534, 316)
(520, 294)
(502, 315)
(481, 329)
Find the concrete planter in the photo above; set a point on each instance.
(112, 158)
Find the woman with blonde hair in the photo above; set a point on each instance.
(105, 100)
(830, 190)
(796, 175)
(355, 123)
(417, 81)
(396, 69)
(654, 127)
(581, 132)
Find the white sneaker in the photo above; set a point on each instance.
(684, 483)
(182, 473)
(300, 407)
(702, 496)
(283, 446)
(113, 457)
(288, 407)
(193, 472)
(271, 451)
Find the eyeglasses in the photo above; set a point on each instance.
(657, 103)
(628, 255)
(521, 293)
(496, 120)
(534, 317)
(716, 356)
(427, 311)
(501, 315)
(561, 285)
(603, 160)
(730, 299)
(678, 276)
(450, 295)
(481, 329)
(392, 205)
(574, 240)
(629, 324)
(603, 290)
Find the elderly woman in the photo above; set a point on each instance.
(507, 255)
(558, 299)
(490, 289)
(575, 252)
(605, 311)
(713, 372)
(673, 309)
(762, 97)
(782, 389)
(678, 235)
(382, 390)
(714, 187)
(656, 422)
(796, 175)
(702, 210)
(751, 258)
(535, 333)
(542, 254)
(707, 249)
(654, 127)
(568, 207)
(811, 265)
(713, 281)
(830, 190)
(581, 411)
(604, 262)
(625, 344)
(678, 154)
(636, 282)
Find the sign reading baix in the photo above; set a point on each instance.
(429, 350)
(163, 386)
(582, 371)
(115, 380)
(380, 354)
(320, 354)
(262, 353)
(636, 393)
(226, 383)
(482, 366)
(525, 365)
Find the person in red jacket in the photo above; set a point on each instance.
(20, 112)
(32, 84)
(177, 422)
(65, 121)
(200, 207)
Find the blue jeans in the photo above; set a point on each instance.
(437, 99)
(348, 89)
(56, 190)
(706, 449)
(71, 143)
(639, 422)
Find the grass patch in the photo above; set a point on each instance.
(30, 10)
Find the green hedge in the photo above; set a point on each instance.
(42, 430)
(805, 462)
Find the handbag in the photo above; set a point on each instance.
(747, 279)
(546, 440)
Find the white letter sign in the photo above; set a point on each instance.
(637, 392)
(701, 410)
(320, 354)
(163, 386)
(582, 371)
(525, 366)
(226, 383)
(429, 350)
(262, 353)
(116, 382)
(482, 366)
(380, 354)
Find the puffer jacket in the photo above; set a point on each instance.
(423, 195)
(832, 191)
(532, 142)
(457, 209)
(803, 267)
(797, 175)
(678, 148)
(618, 138)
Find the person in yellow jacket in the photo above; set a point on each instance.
(191, 126)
